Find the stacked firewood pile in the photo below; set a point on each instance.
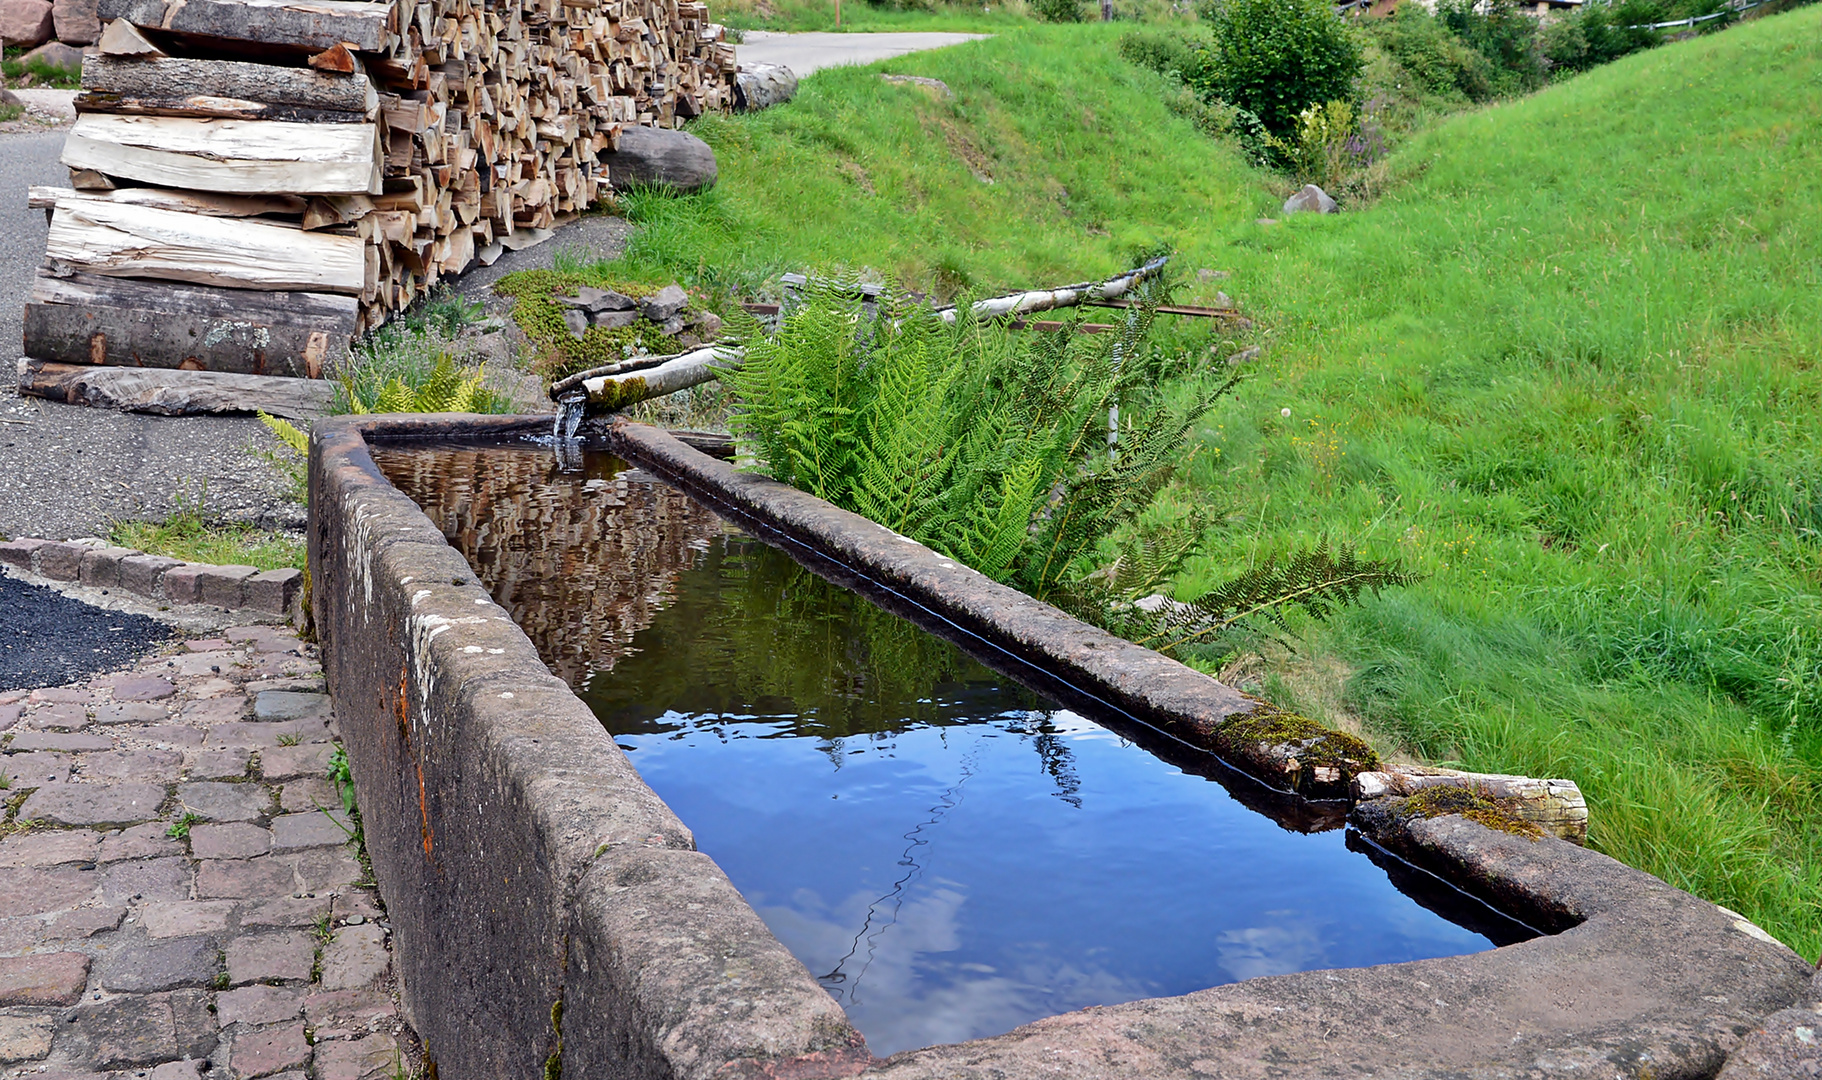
(253, 182)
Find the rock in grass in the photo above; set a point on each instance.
(577, 321)
(651, 157)
(1310, 198)
(665, 304)
(599, 300)
(614, 320)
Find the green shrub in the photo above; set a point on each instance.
(1275, 58)
(1164, 50)
(1600, 33)
(1503, 32)
(1436, 58)
(1058, 11)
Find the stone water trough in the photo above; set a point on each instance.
(552, 916)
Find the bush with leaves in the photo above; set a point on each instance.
(992, 446)
(1438, 60)
(1505, 33)
(1600, 33)
(1275, 58)
(1058, 11)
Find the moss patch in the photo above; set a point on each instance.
(1473, 805)
(1317, 745)
(560, 352)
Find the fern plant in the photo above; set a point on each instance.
(442, 388)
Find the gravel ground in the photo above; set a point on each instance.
(47, 639)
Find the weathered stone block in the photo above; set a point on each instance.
(131, 712)
(101, 566)
(94, 804)
(146, 841)
(59, 742)
(180, 583)
(19, 552)
(77, 22)
(291, 762)
(144, 688)
(263, 1005)
(277, 957)
(338, 1014)
(86, 922)
(27, 23)
(122, 1033)
(34, 770)
(238, 879)
(53, 848)
(43, 978)
(263, 1051)
(235, 841)
(58, 718)
(161, 965)
(356, 959)
(224, 586)
(221, 764)
(151, 766)
(24, 1038)
(140, 880)
(273, 590)
(59, 562)
(186, 918)
(369, 1058)
(144, 574)
(289, 705)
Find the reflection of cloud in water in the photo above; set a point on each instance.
(911, 995)
(1280, 949)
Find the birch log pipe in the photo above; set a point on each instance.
(609, 392)
(1064, 296)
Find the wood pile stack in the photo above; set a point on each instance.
(279, 176)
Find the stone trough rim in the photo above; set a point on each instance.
(1622, 937)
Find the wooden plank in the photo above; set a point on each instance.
(174, 392)
(89, 319)
(106, 78)
(243, 157)
(189, 202)
(313, 25)
(122, 240)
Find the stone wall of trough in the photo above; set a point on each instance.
(548, 908)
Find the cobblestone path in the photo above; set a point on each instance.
(175, 900)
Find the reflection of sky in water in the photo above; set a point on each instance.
(945, 885)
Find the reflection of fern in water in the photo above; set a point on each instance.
(991, 445)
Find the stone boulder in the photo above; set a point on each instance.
(77, 21)
(761, 86)
(56, 54)
(649, 157)
(27, 23)
(1311, 198)
(663, 305)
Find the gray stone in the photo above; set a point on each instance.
(613, 320)
(313, 793)
(94, 804)
(292, 762)
(152, 766)
(51, 848)
(286, 911)
(267, 733)
(34, 770)
(265, 1005)
(238, 840)
(356, 959)
(226, 802)
(372, 1057)
(148, 841)
(196, 1025)
(264, 1051)
(165, 736)
(10, 714)
(600, 300)
(665, 304)
(278, 957)
(101, 566)
(1311, 198)
(223, 586)
(221, 764)
(74, 743)
(145, 688)
(290, 705)
(320, 828)
(24, 1038)
(237, 879)
(58, 53)
(180, 583)
(144, 574)
(85, 922)
(273, 590)
(146, 880)
(186, 918)
(43, 978)
(132, 712)
(1787, 1045)
(341, 1014)
(227, 709)
(577, 321)
(19, 552)
(122, 1033)
(60, 695)
(59, 562)
(160, 965)
(761, 86)
(662, 158)
(187, 1069)
(58, 718)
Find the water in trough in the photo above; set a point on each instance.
(950, 853)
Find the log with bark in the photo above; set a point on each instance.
(168, 392)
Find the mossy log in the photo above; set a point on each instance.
(1554, 805)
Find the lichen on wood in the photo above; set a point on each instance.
(1474, 805)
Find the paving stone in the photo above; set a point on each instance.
(120, 1033)
(221, 764)
(160, 965)
(288, 705)
(223, 586)
(151, 766)
(131, 712)
(176, 1070)
(356, 958)
(263, 735)
(21, 935)
(213, 687)
(149, 880)
(357, 904)
(213, 711)
(369, 1058)
(291, 762)
(206, 664)
(34, 892)
(60, 695)
(48, 740)
(148, 841)
(101, 566)
(93, 804)
(180, 582)
(144, 574)
(33, 770)
(273, 590)
(264, 1051)
(58, 718)
(308, 794)
(287, 911)
(326, 870)
(318, 828)
(186, 918)
(19, 552)
(197, 1029)
(263, 1005)
(168, 735)
(226, 802)
(153, 688)
(49, 848)
(24, 1038)
(85, 922)
(13, 697)
(235, 841)
(43, 978)
(314, 684)
(213, 644)
(280, 957)
(341, 1014)
(10, 714)
(245, 879)
(60, 562)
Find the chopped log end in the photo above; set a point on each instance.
(122, 38)
(339, 60)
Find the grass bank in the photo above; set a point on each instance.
(1566, 367)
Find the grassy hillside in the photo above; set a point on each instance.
(1567, 368)
(1572, 370)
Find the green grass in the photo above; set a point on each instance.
(1566, 367)
(187, 536)
(42, 74)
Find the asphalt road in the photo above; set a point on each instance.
(24, 160)
(804, 53)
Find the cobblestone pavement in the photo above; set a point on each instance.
(175, 901)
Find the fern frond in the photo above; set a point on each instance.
(287, 433)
